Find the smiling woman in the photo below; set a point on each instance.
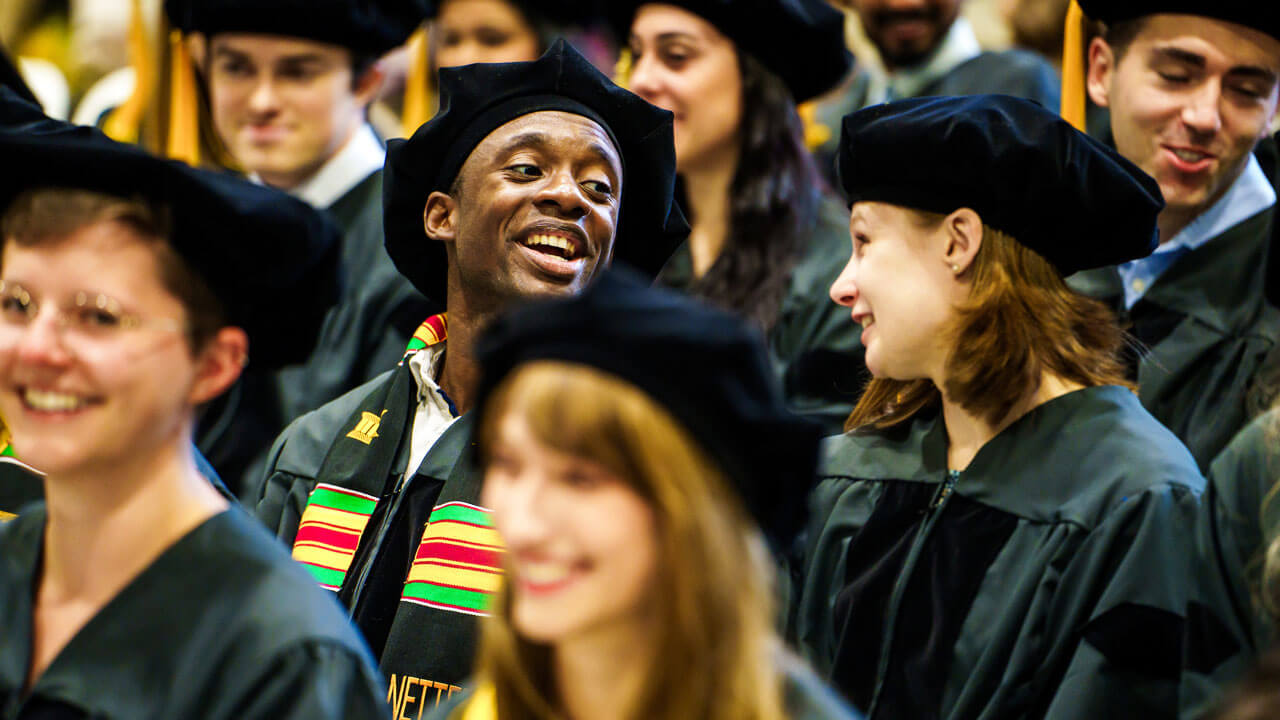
(998, 531)
(633, 452)
(116, 323)
(767, 234)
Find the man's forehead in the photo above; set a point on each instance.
(547, 129)
(1242, 44)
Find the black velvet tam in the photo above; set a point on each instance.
(477, 99)
(1260, 15)
(801, 41)
(272, 260)
(1022, 168)
(702, 364)
(368, 27)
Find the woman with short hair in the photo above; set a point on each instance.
(127, 299)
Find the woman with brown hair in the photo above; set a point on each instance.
(998, 532)
(631, 441)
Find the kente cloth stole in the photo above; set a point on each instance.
(357, 471)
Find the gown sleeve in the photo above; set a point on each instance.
(1120, 611)
(314, 680)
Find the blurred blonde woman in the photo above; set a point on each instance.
(631, 443)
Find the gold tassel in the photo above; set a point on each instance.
(124, 123)
(417, 85)
(1073, 67)
(184, 122)
(622, 69)
(815, 133)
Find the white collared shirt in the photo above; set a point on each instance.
(1249, 195)
(360, 157)
(434, 413)
(958, 46)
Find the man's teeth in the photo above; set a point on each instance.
(52, 401)
(543, 573)
(867, 320)
(552, 241)
(1190, 155)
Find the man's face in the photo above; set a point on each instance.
(906, 31)
(535, 210)
(1189, 100)
(283, 106)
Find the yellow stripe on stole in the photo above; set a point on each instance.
(347, 521)
(323, 556)
(455, 576)
(462, 532)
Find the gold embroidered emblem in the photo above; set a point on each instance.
(367, 429)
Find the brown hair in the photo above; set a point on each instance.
(1122, 34)
(48, 216)
(712, 598)
(1019, 322)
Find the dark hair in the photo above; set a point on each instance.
(1019, 321)
(774, 199)
(46, 216)
(1122, 34)
(360, 63)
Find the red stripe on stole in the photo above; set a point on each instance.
(331, 526)
(445, 550)
(448, 565)
(327, 536)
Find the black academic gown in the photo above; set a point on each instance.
(367, 332)
(22, 485)
(1209, 328)
(1227, 628)
(414, 559)
(221, 625)
(362, 335)
(815, 346)
(1047, 581)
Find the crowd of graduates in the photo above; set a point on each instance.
(473, 359)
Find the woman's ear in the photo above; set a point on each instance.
(219, 363)
(963, 232)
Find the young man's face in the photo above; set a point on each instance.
(283, 106)
(534, 212)
(906, 31)
(1189, 100)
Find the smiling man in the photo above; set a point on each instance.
(1192, 98)
(289, 85)
(531, 179)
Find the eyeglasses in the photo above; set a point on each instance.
(87, 315)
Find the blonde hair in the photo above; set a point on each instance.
(1262, 573)
(712, 597)
(1019, 321)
